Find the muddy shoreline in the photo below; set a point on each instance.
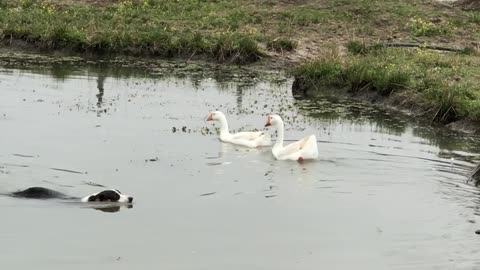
(120, 65)
(396, 101)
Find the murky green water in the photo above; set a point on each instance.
(385, 193)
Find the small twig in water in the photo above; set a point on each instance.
(65, 170)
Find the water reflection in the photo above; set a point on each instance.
(239, 94)
(475, 175)
(100, 86)
(223, 76)
(332, 109)
(111, 208)
(61, 72)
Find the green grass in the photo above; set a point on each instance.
(322, 71)
(230, 31)
(151, 27)
(422, 27)
(281, 44)
(356, 47)
(305, 16)
(474, 17)
(443, 86)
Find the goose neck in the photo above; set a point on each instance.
(223, 126)
(280, 130)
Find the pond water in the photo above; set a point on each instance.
(386, 193)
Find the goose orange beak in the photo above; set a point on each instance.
(269, 123)
(210, 118)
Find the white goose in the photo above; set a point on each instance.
(305, 148)
(248, 139)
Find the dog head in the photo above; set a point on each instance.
(111, 195)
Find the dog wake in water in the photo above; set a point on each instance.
(112, 196)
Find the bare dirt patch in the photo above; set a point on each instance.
(468, 4)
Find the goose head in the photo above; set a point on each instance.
(273, 120)
(215, 116)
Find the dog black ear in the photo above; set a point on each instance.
(108, 196)
(92, 198)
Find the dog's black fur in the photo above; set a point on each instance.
(46, 193)
(41, 193)
(106, 195)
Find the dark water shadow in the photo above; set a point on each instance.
(332, 108)
(101, 91)
(110, 208)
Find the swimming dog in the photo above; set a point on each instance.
(111, 195)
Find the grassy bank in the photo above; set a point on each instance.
(443, 87)
(150, 27)
(240, 31)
